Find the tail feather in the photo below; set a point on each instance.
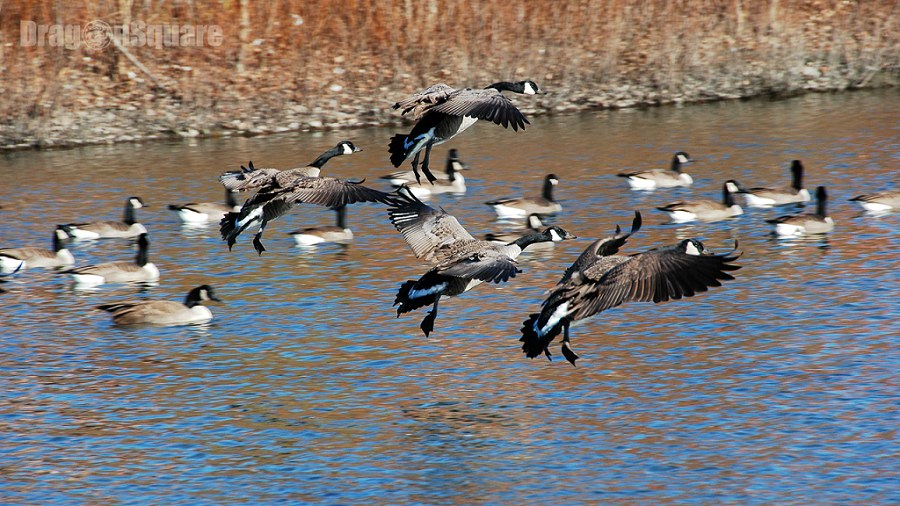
(534, 343)
(228, 228)
(398, 150)
(408, 304)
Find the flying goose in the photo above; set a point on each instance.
(206, 212)
(684, 211)
(127, 228)
(122, 271)
(460, 262)
(803, 224)
(251, 178)
(164, 312)
(453, 183)
(286, 188)
(13, 259)
(658, 178)
(879, 202)
(443, 112)
(313, 236)
(600, 279)
(768, 197)
(523, 206)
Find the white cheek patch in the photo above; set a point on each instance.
(528, 89)
(683, 159)
(554, 182)
(691, 249)
(731, 187)
(135, 203)
(347, 149)
(554, 236)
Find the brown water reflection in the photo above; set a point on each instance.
(779, 386)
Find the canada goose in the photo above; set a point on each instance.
(768, 197)
(454, 164)
(284, 189)
(523, 206)
(443, 112)
(658, 178)
(600, 279)
(13, 259)
(454, 183)
(802, 224)
(126, 228)
(206, 212)
(532, 224)
(252, 178)
(164, 312)
(706, 210)
(879, 202)
(120, 271)
(313, 236)
(460, 261)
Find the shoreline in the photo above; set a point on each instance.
(126, 123)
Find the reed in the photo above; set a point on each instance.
(591, 52)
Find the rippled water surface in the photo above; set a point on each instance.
(779, 387)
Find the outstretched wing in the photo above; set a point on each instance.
(487, 266)
(424, 228)
(332, 192)
(485, 104)
(673, 272)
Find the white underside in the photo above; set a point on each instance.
(307, 240)
(9, 265)
(148, 273)
(559, 313)
(794, 229)
(639, 183)
(874, 206)
(756, 201)
(681, 216)
(415, 294)
(509, 212)
(189, 216)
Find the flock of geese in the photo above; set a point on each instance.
(599, 279)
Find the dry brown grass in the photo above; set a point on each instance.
(292, 52)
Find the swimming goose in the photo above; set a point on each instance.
(443, 112)
(658, 178)
(206, 212)
(252, 178)
(460, 262)
(454, 164)
(164, 312)
(600, 279)
(13, 259)
(879, 202)
(532, 224)
(803, 224)
(684, 211)
(313, 236)
(453, 183)
(127, 228)
(523, 206)
(284, 189)
(768, 197)
(141, 270)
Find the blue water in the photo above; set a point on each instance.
(779, 387)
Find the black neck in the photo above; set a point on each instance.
(193, 298)
(796, 175)
(129, 213)
(141, 258)
(727, 197)
(529, 239)
(676, 164)
(507, 86)
(821, 200)
(230, 201)
(328, 155)
(548, 190)
(57, 242)
(341, 216)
